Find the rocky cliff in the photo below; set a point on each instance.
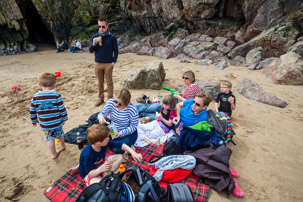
(23, 21)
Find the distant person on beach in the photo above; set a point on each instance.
(77, 46)
(47, 106)
(226, 101)
(192, 87)
(63, 46)
(57, 44)
(105, 46)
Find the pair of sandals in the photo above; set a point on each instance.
(144, 100)
(237, 191)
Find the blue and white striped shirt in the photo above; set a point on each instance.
(49, 108)
(126, 120)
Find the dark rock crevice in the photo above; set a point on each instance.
(37, 29)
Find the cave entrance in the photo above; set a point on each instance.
(38, 32)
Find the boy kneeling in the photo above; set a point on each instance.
(92, 163)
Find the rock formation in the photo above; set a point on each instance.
(150, 77)
(253, 91)
(286, 70)
(211, 30)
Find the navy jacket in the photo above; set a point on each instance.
(108, 52)
(192, 139)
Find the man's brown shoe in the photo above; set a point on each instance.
(98, 103)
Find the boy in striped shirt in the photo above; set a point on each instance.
(47, 106)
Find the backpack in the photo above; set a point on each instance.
(179, 192)
(146, 187)
(109, 189)
(170, 148)
(222, 124)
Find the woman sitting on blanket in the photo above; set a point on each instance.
(191, 112)
(162, 125)
(124, 117)
(192, 87)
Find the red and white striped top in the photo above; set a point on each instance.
(191, 91)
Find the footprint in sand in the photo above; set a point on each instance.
(16, 189)
(230, 76)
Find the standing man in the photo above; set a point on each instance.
(105, 46)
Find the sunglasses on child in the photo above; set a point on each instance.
(197, 104)
(117, 103)
(185, 78)
(101, 27)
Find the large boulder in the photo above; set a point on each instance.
(286, 70)
(150, 77)
(253, 91)
(163, 52)
(266, 62)
(254, 56)
(297, 48)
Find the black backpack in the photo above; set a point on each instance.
(109, 189)
(220, 122)
(145, 187)
(170, 148)
(179, 192)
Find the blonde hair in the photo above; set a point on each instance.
(97, 133)
(226, 83)
(170, 100)
(206, 98)
(191, 75)
(46, 79)
(125, 97)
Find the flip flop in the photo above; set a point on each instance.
(234, 173)
(237, 191)
(142, 99)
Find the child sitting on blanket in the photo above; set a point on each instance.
(159, 127)
(167, 113)
(92, 163)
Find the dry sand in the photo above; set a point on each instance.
(268, 154)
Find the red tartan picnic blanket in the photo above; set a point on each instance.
(69, 187)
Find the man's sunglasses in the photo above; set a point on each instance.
(197, 104)
(185, 78)
(101, 27)
(117, 103)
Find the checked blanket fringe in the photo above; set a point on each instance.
(69, 187)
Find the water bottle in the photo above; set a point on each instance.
(79, 141)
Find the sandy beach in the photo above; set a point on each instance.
(268, 154)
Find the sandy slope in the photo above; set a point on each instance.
(268, 154)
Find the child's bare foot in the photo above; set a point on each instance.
(54, 157)
(74, 170)
(62, 149)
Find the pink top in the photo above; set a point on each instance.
(191, 91)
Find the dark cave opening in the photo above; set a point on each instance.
(38, 32)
